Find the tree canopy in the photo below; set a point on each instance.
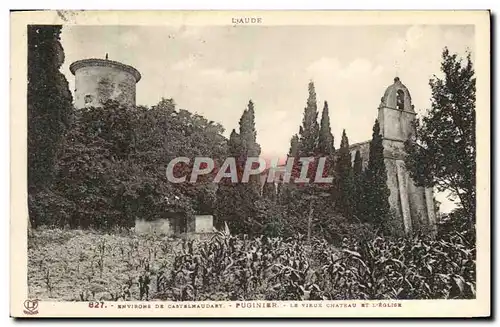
(443, 150)
(49, 104)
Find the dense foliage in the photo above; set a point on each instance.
(112, 166)
(443, 152)
(49, 103)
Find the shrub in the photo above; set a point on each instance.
(233, 268)
(226, 267)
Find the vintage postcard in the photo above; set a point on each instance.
(250, 164)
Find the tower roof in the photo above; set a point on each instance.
(95, 62)
(391, 92)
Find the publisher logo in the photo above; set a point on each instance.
(31, 307)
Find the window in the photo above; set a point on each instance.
(88, 99)
(400, 100)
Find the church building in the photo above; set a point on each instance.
(412, 206)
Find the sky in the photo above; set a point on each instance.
(215, 70)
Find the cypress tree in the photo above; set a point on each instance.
(225, 195)
(234, 143)
(49, 103)
(325, 138)
(345, 179)
(357, 170)
(294, 146)
(308, 134)
(376, 190)
(358, 165)
(249, 147)
(326, 146)
(248, 132)
(236, 202)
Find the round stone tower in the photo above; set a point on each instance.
(98, 80)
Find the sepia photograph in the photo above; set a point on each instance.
(251, 163)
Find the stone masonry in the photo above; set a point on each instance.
(412, 206)
(98, 80)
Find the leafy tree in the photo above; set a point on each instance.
(49, 112)
(443, 151)
(345, 201)
(376, 192)
(91, 165)
(112, 166)
(163, 133)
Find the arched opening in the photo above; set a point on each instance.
(400, 100)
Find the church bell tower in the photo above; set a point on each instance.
(412, 206)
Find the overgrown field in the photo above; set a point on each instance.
(75, 265)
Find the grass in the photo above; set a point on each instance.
(77, 265)
(81, 265)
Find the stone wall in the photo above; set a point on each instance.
(412, 207)
(204, 224)
(96, 84)
(396, 182)
(159, 226)
(199, 224)
(364, 150)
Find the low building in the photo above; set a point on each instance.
(176, 226)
